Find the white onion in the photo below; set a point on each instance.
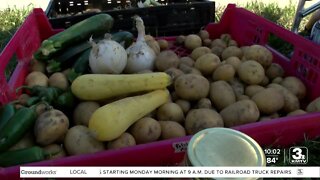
(107, 57)
(140, 55)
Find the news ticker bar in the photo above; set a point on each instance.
(167, 172)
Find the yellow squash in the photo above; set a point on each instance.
(104, 86)
(110, 121)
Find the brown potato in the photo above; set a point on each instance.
(192, 41)
(170, 112)
(146, 130)
(234, 61)
(38, 66)
(187, 61)
(219, 42)
(221, 94)
(231, 51)
(204, 34)
(204, 103)
(49, 126)
(66, 71)
(237, 86)
(199, 51)
(242, 97)
(274, 71)
(207, 63)
(200, 119)
(184, 105)
(295, 85)
(291, 102)
(297, 112)
(207, 42)
(260, 54)
(80, 140)
(125, 140)
(232, 43)
(163, 44)
(251, 90)
(36, 78)
(251, 72)
(180, 40)
(269, 100)
(54, 151)
(314, 106)
(171, 129)
(244, 50)
(191, 87)
(265, 81)
(277, 80)
(83, 111)
(174, 73)
(224, 72)
(23, 99)
(217, 50)
(58, 80)
(241, 112)
(189, 70)
(167, 59)
(41, 108)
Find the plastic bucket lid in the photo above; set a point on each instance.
(224, 147)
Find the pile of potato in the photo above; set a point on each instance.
(219, 84)
(222, 84)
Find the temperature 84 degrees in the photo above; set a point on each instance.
(272, 160)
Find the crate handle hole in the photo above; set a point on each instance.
(283, 47)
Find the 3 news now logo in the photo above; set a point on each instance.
(298, 155)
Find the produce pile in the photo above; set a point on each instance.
(90, 91)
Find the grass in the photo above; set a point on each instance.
(283, 16)
(10, 20)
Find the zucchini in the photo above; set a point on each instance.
(125, 38)
(94, 25)
(81, 65)
(60, 62)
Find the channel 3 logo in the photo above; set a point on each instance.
(298, 155)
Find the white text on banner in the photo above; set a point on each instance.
(168, 172)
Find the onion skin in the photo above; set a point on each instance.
(140, 55)
(107, 57)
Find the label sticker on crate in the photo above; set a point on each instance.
(180, 147)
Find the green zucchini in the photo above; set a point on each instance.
(67, 57)
(83, 30)
(123, 37)
(80, 67)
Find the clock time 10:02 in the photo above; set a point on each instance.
(270, 151)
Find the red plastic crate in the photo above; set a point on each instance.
(283, 132)
(245, 27)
